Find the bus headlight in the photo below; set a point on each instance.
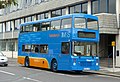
(74, 63)
(97, 64)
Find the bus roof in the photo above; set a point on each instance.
(61, 17)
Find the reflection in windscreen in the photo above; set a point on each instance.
(92, 24)
(84, 49)
(80, 23)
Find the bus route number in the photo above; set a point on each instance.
(65, 35)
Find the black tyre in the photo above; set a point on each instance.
(5, 64)
(54, 66)
(26, 63)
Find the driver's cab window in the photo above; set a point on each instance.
(65, 48)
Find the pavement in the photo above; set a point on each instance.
(108, 71)
(103, 70)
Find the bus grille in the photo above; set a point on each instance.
(85, 64)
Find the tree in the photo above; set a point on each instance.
(5, 3)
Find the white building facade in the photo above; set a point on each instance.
(108, 12)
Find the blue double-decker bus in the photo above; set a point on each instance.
(68, 42)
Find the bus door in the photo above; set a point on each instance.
(65, 55)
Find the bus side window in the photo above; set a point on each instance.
(55, 25)
(45, 26)
(26, 48)
(65, 49)
(35, 48)
(22, 29)
(27, 29)
(36, 27)
(23, 48)
(66, 23)
(43, 48)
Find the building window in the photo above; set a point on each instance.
(84, 8)
(95, 7)
(46, 15)
(27, 19)
(64, 11)
(103, 6)
(10, 46)
(58, 12)
(22, 20)
(112, 6)
(80, 8)
(8, 26)
(75, 9)
(42, 16)
(17, 23)
(4, 46)
(71, 10)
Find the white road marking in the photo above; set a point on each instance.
(5, 72)
(31, 79)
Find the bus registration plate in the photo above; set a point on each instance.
(86, 68)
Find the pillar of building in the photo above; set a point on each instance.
(12, 26)
(15, 45)
(118, 11)
(67, 10)
(118, 36)
(89, 6)
(49, 14)
(3, 30)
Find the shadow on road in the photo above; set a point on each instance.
(66, 72)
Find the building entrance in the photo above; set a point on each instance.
(106, 49)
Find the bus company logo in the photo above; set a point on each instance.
(54, 35)
(65, 35)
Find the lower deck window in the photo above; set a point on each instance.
(26, 48)
(43, 48)
(65, 48)
(84, 49)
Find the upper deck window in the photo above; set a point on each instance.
(66, 23)
(45, 26)
(92, 24)
(80, 23)
(55, 25)
(28, 28)
(36, 27)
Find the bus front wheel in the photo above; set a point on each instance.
(54, 66)
(26, 62)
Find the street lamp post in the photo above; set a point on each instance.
(113, 44)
